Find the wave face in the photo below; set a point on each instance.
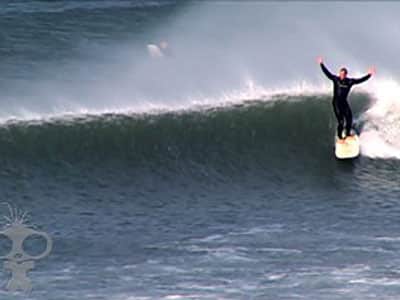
(278, 127)
(285, 127)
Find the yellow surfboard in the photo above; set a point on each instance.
(348, 147)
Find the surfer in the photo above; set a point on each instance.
(341, 88)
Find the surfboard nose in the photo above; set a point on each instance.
(348, 147)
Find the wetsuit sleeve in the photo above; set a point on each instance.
(327, 72)
(361, 80)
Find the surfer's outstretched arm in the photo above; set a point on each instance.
(361, 79)
(371, 72)
(326, 71)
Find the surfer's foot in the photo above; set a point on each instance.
(341, 141)
(350, 132)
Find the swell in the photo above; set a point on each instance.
(253, 133)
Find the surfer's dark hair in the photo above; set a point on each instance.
(344, 70)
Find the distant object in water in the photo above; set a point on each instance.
(157, 51)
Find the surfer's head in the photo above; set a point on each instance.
(343, 73)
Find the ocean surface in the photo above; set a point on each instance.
(208, 173)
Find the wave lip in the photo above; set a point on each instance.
(67, 109)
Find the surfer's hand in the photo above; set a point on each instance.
(371, 71)
(320, 59)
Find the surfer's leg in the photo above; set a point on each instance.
(340, 118)
(340, 128)
(349, 119)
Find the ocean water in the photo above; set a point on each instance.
(209, 173)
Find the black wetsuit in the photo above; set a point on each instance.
(341, 89)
